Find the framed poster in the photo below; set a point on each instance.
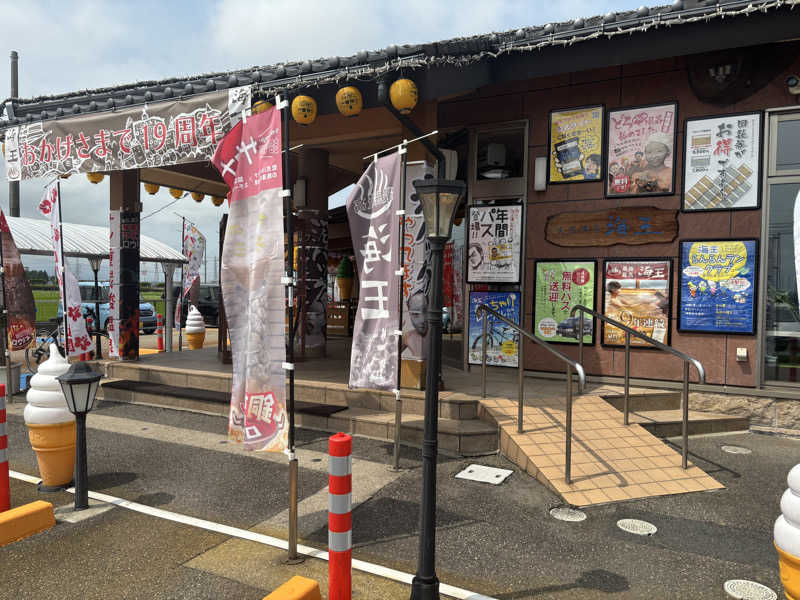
(641, 151)
(557, 287)
(502, 341)
(494, 243)
(576, 145)
(718, 286)
(637, 293)
(722, 162)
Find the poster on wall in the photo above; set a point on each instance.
(502, 341)
(718, 286)
(641, 151)
(637, 294)
(576, 145)
(558, 287)
(494, 243)
(722, 163)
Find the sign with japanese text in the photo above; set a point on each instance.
(157, 134)
(502, 341)
(19, 297)
(194, 248)
(371, 213)
(722, 162)
(718, 286)
(576, 145)
(114, 232)
(637, 294)
(252, 267)
(494, 243)
(631, 226)
(558, 287)
(641, 151)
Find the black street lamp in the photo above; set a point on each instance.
(79, 385)
(95, 263)
(439, 198)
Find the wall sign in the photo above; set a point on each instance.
(718, 286)
(722, 162)
(637, 294)
(632, 226)
(558, 287)
(502, 341)
(641, 151)
(494, 243)
(576, 145)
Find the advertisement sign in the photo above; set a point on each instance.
(632, 226)
(722, 162)
(249, 160)
(576, 145)
(157, 134)
(637, 294)
(194, 248)
(502, 341)
(19, 297)
(371, 212)
(718, 286)
(641, 151)
(114, 232)
(494, 243)
(559, 286)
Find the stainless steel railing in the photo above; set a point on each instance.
(663, 347)
(484, 310)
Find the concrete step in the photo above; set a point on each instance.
(668, 423)
(646, 401)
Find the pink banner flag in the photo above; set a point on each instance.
(19, 296)
(249, 159)
(78, 341)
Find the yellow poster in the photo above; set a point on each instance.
(576, 145)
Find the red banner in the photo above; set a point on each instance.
(19, 297)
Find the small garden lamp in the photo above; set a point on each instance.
(79, 385)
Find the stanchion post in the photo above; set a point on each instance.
(340, 521)
(160, 332)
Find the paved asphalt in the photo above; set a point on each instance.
(496, 540)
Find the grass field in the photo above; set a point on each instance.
(47, 303)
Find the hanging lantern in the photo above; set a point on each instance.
(175, 193)
(95, 177)
(404, 95)
(304, 110)
(198, 197)
(260, 107)
(151, 188)
(217, 200)
(64, 175)
(349, 101)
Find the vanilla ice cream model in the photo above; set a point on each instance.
(787, 536)
(195, 328)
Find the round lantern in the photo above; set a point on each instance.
(349, 101)
(304, 110)
(175, 193)
(95, 177)
(151, 188)
(260, 106)
(64, 175)
(404, 95)
(198, 197)
(217, 200)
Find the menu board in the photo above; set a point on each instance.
(494, 244)
(502, 341)
(558, 287)
(576, 145)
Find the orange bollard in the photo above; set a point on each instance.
(340, 523)
(160, 332)
(5, 487)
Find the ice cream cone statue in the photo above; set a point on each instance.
(195, 329)
(787, 536)
(344, 278)
(51, 427)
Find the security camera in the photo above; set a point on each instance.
(793, 84)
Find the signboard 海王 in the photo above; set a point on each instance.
(502, 341)
(558, 287)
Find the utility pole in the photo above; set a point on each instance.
(13, 186)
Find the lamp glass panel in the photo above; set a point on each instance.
(92, 394)
(68, 394)
(80, 393)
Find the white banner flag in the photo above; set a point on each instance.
(113, 283)
(194, 248)
(78, 341)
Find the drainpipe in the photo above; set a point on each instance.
(13, 186)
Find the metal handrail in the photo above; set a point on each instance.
(701, 373)
(571, 364)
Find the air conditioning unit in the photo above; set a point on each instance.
(491, 155)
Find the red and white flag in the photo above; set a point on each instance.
(194, 248)
(78, 341)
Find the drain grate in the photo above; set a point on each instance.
(637, 526)
(736, 450)
(484, 474)
(743, 589)
(571, 515)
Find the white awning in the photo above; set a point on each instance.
(32, 236)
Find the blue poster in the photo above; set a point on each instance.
(502, 341)
(718, 286)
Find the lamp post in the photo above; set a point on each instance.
(95, 263)
(439, 198)
(79, 385)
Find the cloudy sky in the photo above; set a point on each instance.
(70, 46)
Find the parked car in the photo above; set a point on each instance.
(569, 327)
(207, 303)
(147, 313)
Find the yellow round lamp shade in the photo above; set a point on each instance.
(151, 188)
(64, 176)
(175, 193)
(304, 110)
(95, 177)
(198, 197)
(260, 107)
(404, 95)
(217, 200)
(349, 101)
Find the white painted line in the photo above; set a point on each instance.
(260, 538)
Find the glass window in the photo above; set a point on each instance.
(787, 150)
(87, 293)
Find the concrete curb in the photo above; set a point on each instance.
(23, 521)
(297, 588)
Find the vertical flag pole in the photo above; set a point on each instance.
(283, 105)
(398, 402)
(179, 301)
(63, 274)
(6, 350)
